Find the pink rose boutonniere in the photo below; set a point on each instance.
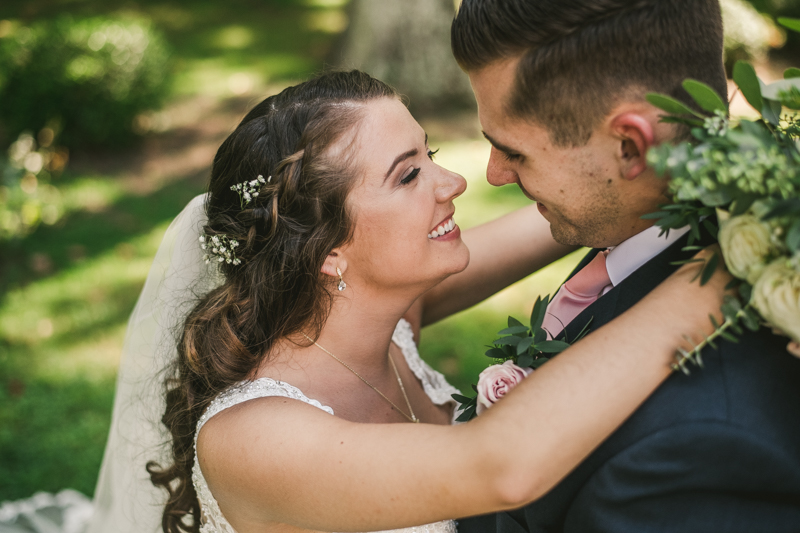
(519, 350)
(496, 381)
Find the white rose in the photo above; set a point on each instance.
(745, 243)
(496, 381)
(776, 295)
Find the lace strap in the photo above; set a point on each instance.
(434, 383)
(250, 390)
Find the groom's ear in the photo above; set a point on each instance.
(634, 134)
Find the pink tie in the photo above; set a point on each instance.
(575, 295)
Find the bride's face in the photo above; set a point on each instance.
(405, 233)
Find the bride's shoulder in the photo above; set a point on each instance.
(254, 402)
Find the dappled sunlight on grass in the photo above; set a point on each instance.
(60, 320)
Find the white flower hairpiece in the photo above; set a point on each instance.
(221, 248)
(249, 189)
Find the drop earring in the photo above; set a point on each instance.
(342, 285)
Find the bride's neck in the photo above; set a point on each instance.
(360, 326)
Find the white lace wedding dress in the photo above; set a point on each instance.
(434, 384)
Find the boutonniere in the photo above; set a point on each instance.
(518, 351)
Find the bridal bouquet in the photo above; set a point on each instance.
(744, 174)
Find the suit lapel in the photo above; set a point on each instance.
(548, 513)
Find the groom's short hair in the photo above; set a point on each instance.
(581, 57)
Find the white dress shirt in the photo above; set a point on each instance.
(629, 255)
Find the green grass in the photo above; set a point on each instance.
(66, 290)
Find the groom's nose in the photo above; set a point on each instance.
(499, 171)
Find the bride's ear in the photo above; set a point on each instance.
(332, 262)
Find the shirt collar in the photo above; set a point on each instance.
(625, 258)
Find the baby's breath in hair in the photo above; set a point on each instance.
(249, 189)
(221, 248)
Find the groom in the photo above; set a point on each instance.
(560, 87)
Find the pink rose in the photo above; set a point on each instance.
(496, 381)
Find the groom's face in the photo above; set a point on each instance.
(579, 190)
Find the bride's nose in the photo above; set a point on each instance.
(449, 185)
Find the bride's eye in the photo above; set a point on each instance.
(411, 175)
(432, 153)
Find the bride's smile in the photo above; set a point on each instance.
(405, 235)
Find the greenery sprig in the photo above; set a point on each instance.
(526, 345)
(741, 182)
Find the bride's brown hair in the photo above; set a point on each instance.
(284, 236)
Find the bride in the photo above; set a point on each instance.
(296, 390)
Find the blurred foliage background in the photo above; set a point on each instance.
(110, 113)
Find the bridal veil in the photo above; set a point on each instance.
(125, 501)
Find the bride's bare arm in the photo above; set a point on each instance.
(276, 460)
(502, 251)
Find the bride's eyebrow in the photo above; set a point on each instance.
(402, 157)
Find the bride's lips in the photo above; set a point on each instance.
(445, 230)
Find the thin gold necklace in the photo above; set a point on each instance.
(411, 418)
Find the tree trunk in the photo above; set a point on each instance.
(406, 43)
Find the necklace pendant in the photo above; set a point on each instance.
(342, 285)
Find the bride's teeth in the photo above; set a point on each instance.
(450, 225)
(441, 230)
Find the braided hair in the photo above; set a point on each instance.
(283, 236)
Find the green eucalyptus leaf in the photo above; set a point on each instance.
(793, 237)
(711, 227)
(728, 336)
(750, 320)
(772, 111)
(461, 399)
(705, 96)
(790, 23)
(552, 346)
(525, 360)
(496, 353)
(539, 362)
(467, 415)
(524, 344)
(668, 119)
(538, 313)
(514, 330)
(709, 269)
(694, 223)
(730, 307)
(715, 198)
(745, 291)
(670, 105)
(745, 77)
(512, 322)
(657, 215)
(511, 340)
(783, 208)
(742, 204)
(791, 72)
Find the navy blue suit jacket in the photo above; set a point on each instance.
(715, 451)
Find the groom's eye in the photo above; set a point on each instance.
(509, 156)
